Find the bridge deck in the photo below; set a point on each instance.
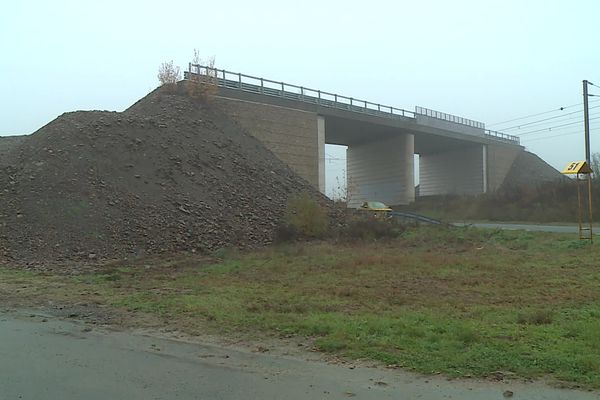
(266, 87)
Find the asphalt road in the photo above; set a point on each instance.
(46, 358)
(525, 227)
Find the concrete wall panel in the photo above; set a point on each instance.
(452, 172)
(381, 171)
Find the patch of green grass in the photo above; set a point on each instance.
(456, 301)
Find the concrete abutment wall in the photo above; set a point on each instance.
(500, 158)
(296, 137)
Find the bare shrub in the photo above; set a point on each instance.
(169, 75)
(202, 78)
(305, 217)
(595, 165)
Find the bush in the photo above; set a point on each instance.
(285, 233)
(169, 75)
(304, 217)
(202, 82)
(371, 228)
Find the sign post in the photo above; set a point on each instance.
(582, 169)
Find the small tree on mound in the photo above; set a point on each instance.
(595, 166)
(306, 217)
(169, 75)
(202, 82)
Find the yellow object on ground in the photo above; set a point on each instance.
(374, 206)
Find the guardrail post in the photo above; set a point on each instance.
(262, 85)
(301, 93)
(335, 99)
(240, 80)
(224, 79)
(319, 98)
(365, 104)
(378, 107)
(282, 89)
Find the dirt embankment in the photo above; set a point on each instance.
(168, 174)
(530, 170)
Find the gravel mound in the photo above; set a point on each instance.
(166, 175)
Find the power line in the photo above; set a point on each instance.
(329, 157)
(569, 133)
(534, 115)
(537, 114)
(590, 83)
(547, 121)
(536, 139)
(553, 127)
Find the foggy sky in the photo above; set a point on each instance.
(490, 61)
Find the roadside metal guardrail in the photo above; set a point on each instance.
(253, 84)
(415, 217)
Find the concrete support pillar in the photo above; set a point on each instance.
(381, 170)
(485, 169)
(458, 171)
(321, 152)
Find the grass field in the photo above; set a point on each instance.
(462, 302)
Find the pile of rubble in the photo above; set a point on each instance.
(169, 174)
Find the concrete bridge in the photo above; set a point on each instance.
(457, 155)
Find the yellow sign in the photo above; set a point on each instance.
(577, 167)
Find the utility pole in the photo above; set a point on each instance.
(586, 125)
(586, 121)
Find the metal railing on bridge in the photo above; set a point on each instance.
(253, 84)
(468, 122)
(448, 117)
(503, 136)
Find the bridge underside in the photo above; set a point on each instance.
(380, 155)
(380, 162)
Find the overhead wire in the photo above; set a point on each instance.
(553, 127)
(538, 114)
(534, 115)
(553, 136)
(540, 126)
(541, 121)
(590, 83)
(570, 133)
(538, 138)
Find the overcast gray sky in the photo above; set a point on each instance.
(486, 60)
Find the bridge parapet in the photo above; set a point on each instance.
(253, 84)
(440, 119)
(421, 115)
